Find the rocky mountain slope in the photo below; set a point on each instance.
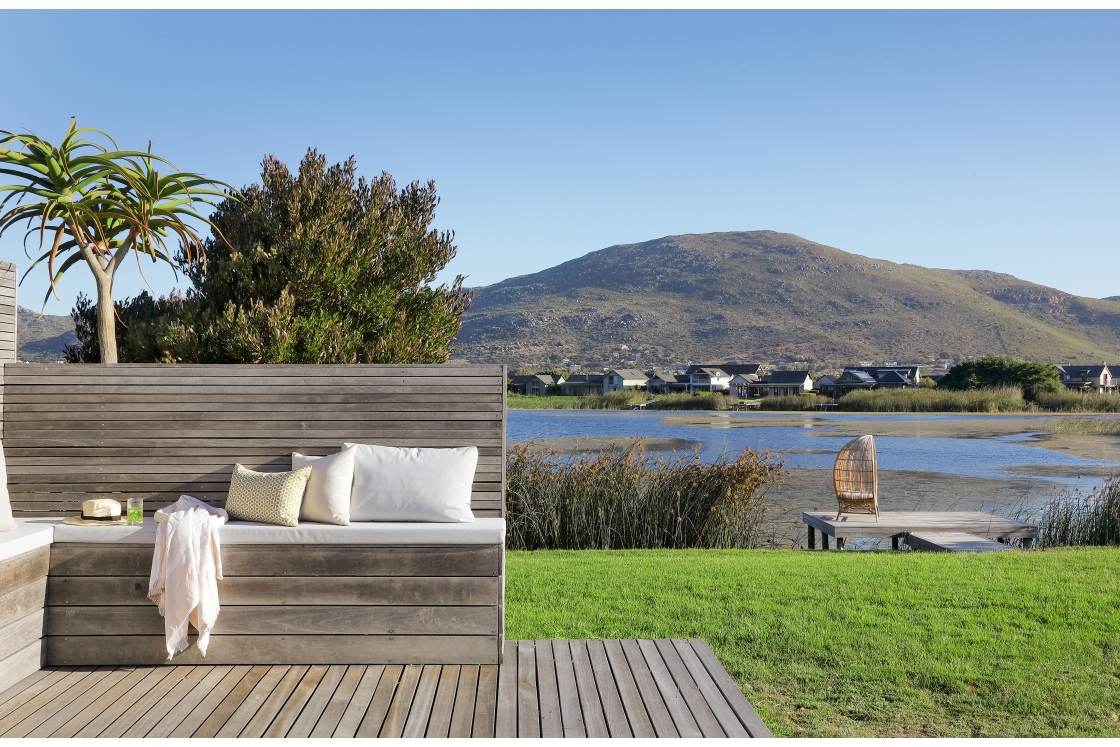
(763, 295)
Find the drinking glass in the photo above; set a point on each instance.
(135, 512)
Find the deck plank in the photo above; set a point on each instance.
(655, 706)
(210, 701)
(293, 706)
(528, 707)
(548, 694)
(954, 542)
(317, 703)
(26, 684)
(689, 690)
(117, 708)
(336, 706)
(55, 722)
(611, 695)
(132, 682)
(505, 725)
(374, 719)
(359, 702)
(571, 711)
(728, 721)
(10, 728)
(151, 716)
(397, 715)
(231, 702)
(262, 719)
(439, 723)
(640, 722)
(731, 693)
(485, 702)
(180, 707)
(128, 717)
(422, 702)
(18, 709)
(674, 700)
(253, 702)
(462, 714)
(594, 719)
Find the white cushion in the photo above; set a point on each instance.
(395, 484)
(327, 497)
(478, 532)
(7, 523)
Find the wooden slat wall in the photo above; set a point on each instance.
(23, 584)
(72, 432)
(7, 312)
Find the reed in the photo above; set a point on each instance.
(792, 403)
(1070, 401)
(630, 499)
(620, 401)
(921, 399)
(1088, 426)
(1076, 518)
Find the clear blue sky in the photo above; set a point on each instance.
(959, 140)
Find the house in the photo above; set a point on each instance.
(731, 369)
(708, 380)
(666, 383)
(581, 385)
(516, 384)
(1085, 379)
(538, 385)
(826, 385)
(785, 384)
(851, 379)
(741, 385)
(890, 375)
(618, 379)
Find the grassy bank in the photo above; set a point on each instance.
(620, 401)
(861, 644)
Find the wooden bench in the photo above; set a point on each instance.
(74, 432)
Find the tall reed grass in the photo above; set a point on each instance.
(1088, 426)
(621, 500)
(792, 403)
(921, 399)
(1082, 519)
(1070, 401)
(620, 401)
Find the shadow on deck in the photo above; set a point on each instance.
(560, 688)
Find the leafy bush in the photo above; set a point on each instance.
(918, 399)
(1070, 401)
(1033, 379)
(623, 500)
(1080, 519)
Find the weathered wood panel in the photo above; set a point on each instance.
(81, 430)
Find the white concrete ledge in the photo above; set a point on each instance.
(29, 534)
(477, 532)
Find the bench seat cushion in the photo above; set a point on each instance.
(483, 531)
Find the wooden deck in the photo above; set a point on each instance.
(954, 542)
(630, 688)
(895, 525)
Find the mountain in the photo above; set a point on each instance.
(769, 296)
(42, 340)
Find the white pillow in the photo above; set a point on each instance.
(327, 497)
(393, 484)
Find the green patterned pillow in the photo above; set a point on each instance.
(267, 497)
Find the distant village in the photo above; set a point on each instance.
(757, 380)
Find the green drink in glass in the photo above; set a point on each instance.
(135, 512)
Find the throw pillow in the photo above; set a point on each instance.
(394, 484)
(267, 497)
(327, 498)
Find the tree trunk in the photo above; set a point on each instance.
(106, 320)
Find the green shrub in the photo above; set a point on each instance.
(918, 399)
(611, 500)
(1080, 519)
(997, 371)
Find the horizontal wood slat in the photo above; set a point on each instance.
(247, 590)
(280, 620)
(66, 427)
(118, 559)
(141, 650)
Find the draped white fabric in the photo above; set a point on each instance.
(186, 567)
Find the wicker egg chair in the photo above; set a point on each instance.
(856, 477)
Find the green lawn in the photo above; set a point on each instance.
(861, 643)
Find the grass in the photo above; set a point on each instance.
(1076, 518)
(1087, 426)
(619, 401)
(922, 399)
(1069, 401)
(861, 644)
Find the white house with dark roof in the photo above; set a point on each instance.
(1090, 378)
(618, 379)
(708, 380)
(667, 383)
(785, 384)
(538, 385)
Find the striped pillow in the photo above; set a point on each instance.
(267, 497)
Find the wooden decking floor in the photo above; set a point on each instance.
(559, 688)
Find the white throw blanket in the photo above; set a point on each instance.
(185, 571)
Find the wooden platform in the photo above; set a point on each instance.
(953, 542)
(631, 688)
(895, 525)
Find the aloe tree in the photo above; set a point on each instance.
(98, 205)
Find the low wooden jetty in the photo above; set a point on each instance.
(896, 524)
(559, 688)
(954, 542)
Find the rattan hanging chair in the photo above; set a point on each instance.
(856, 477)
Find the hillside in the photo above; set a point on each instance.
(763, 295)
(42, 340)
